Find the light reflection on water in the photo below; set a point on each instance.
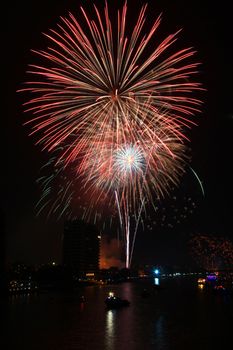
(159, 333)
(180, 315)
(109, 329)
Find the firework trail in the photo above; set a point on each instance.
(121, 111)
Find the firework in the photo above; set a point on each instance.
(121, 112)
(104, 83)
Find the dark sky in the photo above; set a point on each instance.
(207, 27)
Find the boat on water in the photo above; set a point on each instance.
(114, 302)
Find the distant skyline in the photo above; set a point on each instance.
(205, 27)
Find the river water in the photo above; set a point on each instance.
(179, 316)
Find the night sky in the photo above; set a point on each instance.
(207, 27)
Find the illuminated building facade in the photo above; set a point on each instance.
(81, 248)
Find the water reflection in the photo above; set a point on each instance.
(120, 323)
(82, 305)
(174, 316)
(26, 298)
(128, 291)
(201, 286)
(110, 329)
(159, 338)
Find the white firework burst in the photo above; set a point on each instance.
(129, 160)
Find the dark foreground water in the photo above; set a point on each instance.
(180, 316)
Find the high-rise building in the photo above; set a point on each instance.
(81, 247)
